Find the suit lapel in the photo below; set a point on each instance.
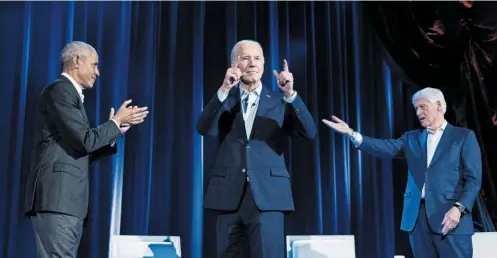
(422, 144)
(83, 111)
(266, 100)
(443, 144)
(235, 105)
(75, 92)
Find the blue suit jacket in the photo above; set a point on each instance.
(261, 156)
(454, 174)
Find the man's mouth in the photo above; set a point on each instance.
(421, 119)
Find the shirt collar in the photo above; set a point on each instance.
(244, 93)
(441, 128)
(78, 87)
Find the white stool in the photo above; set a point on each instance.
(485, 245)
(145, 247)
(337, 246)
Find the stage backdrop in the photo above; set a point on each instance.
(172, 57)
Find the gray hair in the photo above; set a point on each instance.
(432, 95)
(234, 51)
(75, 48)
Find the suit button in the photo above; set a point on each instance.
(243, 170)
(248, 147)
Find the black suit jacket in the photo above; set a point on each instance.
(64, 147)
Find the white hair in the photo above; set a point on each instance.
(432, 95)
(75, 48)
(234, 51)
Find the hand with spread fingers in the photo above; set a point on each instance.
(339, 125)
(285, 80)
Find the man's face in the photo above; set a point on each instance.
(88, 70)
(427, 112)
(251, 62)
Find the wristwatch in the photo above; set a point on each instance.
(460, 207)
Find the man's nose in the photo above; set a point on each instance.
(97, 72)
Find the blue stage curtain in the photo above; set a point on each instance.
(171, 57)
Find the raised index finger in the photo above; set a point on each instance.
(285, 65)
(234, 64)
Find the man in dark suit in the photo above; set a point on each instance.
(444, 177)
(57, 188)
(249, 184)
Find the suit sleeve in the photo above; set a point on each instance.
(64, 111)
(208, 122)
(298, 119)
(103, 152)
(471, 161)
(384, 148)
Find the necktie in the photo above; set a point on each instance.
(245, 103)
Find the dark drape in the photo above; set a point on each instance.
(171, 57)
(451, 46)
(147, 51)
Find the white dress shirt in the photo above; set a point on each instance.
(250, 100)
(431, 145)
(78, 87)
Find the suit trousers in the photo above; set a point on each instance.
(57, 235)
(426, 244)
(249, 232)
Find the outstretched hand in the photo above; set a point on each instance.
(339, 125)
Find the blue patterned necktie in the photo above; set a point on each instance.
(245, 103)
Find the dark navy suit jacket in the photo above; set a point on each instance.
(260, 157)
(454, 174)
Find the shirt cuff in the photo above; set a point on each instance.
(356, 139)
(291, 98)
(115, 122)
(221, 95)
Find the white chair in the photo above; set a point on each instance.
(485, 245)
(145, 247)
(338, 246)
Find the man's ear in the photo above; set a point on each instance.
(439, 106)
(75, 61)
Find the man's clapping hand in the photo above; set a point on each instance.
(128, 116)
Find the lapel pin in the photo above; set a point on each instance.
(269, 96)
